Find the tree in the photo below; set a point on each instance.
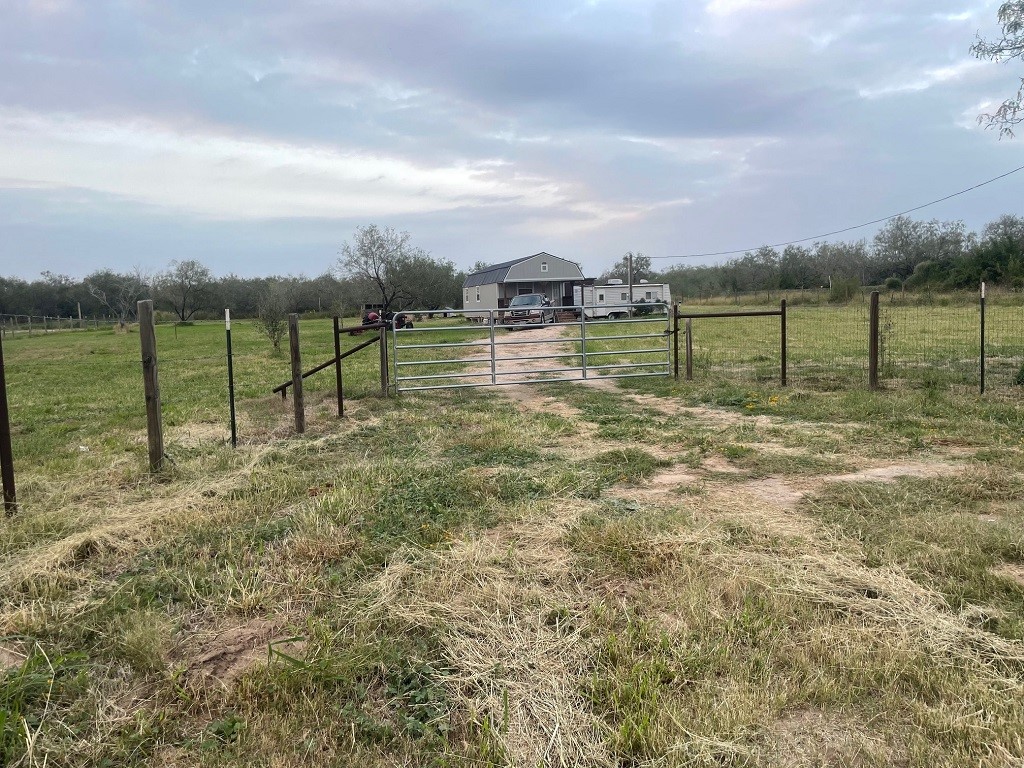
(796, 268)
(436, 284)
(119, 292)
(1009, 46)
(642, 269)
(382, 264)
(382, 259)
(1008, 227)
(184, 287)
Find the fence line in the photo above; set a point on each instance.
(20, 323)
(829, 346)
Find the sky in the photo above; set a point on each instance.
(256, 137)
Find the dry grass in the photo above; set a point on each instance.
(512, 618)
(559, 576)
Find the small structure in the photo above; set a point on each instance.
(495, 286)
(612, 299)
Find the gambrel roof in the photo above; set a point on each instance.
(498, 273)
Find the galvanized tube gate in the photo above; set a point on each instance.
(442, 356)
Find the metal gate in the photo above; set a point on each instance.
(498, 349)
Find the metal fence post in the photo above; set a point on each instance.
(873, 342)
(982, 338)
(296, 359)
(782, 309)
(154, 425)
(231, 379)
(6, 453)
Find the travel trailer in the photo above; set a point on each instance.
(612, 299)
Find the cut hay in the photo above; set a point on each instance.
(514, 627)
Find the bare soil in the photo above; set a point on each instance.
(891, 472)
(809, 737)
(1014, 571)
(234, 651)
(10, 658)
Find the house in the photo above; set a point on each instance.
(495, 286)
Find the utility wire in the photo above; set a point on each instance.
(846, 229)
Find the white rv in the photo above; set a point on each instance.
(612, 299)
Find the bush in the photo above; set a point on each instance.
(843, 289)
(272, 316)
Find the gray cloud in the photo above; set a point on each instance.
(589, 127)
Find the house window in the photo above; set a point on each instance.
(543, 266)
(478, 293)
(467, 294)
(648, 295)
(625, 297)
(600, 297)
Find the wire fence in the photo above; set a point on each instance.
(919, 344)
(30, 324)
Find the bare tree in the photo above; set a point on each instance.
(184, 287)
(119, 292)
(1010, 46)
(381, 258)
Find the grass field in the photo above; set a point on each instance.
(661, 574)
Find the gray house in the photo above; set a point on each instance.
(495, 286)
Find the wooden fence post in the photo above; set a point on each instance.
(675, 340)
(154, 426)
(384, 362)
(338, 380)
(689, 349)
(782, 309)
(873, 342)
(297, 398)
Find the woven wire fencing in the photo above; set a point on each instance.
(747, 348)
(1004, 344)
(919, 344)
(929, 345)
(940, 344)
(828, 345)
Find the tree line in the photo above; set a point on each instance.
(904, 254)
(379, 267)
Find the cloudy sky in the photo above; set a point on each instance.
(256, 136)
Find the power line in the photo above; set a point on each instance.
(846, 229)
